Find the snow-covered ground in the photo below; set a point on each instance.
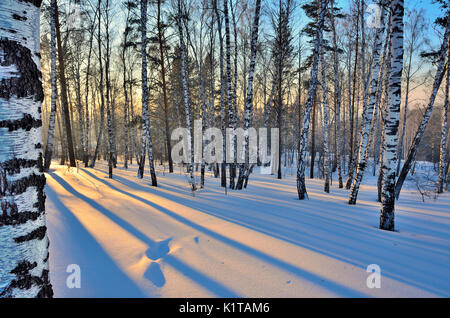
(134, 240)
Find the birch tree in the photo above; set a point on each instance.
(186, 94)
(24, 254)
(443, 161)
(392, 118)
(326, 164)
(51, 123)
(368, 115)
(248, 111)
(231, 114)
(223, 172)
(301, 187)
(146, 135)
(161, 42)
(63, 85)
(337, 98)
(102, 97)
(421, 129)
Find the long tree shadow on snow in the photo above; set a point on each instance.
(302, 273)
(362, 244)
(100, 278)
(152, 274)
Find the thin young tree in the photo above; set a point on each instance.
(146, 135)
(51, 123)
(223, 170)
(186, 93)
(24, 253)
(102, 96)
(64, 94)
(413, 29)
(88, 70)
(248, 111)
(368, 114)
(326, 161)
(301, 165)
(161, 43)
(231, 114)
(421, 129)
(337, 97)
(443, 161)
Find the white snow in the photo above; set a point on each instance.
(134, 240)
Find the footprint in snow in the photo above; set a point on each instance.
(155, 275)
(158, 250)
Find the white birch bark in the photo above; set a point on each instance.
(301, 165)
(102, 97)
(337, 99)
(387, 212)
(326, 161)
(443, 147)
(186, 97)
(368, 116)
(146, 136)
(223, 180)
(248, 117)
(24, 268)
(51, 122)
(231, 114)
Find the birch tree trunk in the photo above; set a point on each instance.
(146, 136)
(231, 114)
(368, 116)
(352, 108)
(88, 124)
(443, 148)
(187, 98)
(164, 86)
(337, 98)
(387, 212)
(24, 254)
(248, 119)
(51, 123)
(102, 97)
(64, 101)
(111, 150)
(223, 172)
(420, 131)
(301, 187)
(326, 163)
(125, 89)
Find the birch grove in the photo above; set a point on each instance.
(355, 107)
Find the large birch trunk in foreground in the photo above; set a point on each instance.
(392, 118)
(24, 269)
(421, 130)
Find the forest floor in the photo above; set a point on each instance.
(134, 240)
